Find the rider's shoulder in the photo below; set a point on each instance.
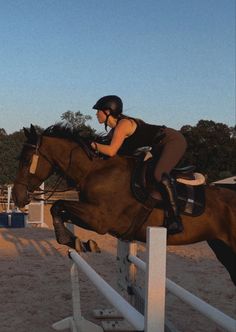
(125, 126)
(125, 122)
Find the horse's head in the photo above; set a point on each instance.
(34, 168)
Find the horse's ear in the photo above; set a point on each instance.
(26, 132)
(32, 130)
(33, 133)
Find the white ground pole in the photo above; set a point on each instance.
(223, 320)
(155, 291)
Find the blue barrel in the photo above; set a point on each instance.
(17, 219)
(4, 219)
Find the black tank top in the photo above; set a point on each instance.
(144, 135)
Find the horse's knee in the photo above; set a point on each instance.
(59, 211)
(57, 208)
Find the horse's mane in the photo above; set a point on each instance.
(82, 134)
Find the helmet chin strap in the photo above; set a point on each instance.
(106, 121)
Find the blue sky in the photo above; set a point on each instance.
(171, 61)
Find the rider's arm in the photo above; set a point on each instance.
(124, 129)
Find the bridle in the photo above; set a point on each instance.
(35, 157)
(32, 170)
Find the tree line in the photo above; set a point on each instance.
(211, 147)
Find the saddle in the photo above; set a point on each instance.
(189, 185)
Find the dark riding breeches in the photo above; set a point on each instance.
(173, 147)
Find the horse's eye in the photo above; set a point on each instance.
(24, 161)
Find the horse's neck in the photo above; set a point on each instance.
(69, 157)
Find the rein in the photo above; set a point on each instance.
(58, 181)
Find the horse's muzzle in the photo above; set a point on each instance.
(20, 196)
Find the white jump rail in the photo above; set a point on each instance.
(153, 319)
(223, 320)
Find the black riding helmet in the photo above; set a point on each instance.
(112, 103)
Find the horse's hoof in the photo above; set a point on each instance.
(93, 246)
(79, 246)
(89, 246)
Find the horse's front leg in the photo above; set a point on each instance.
(60, 215)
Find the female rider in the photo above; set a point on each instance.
(128, 134)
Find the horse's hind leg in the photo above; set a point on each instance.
(225, 255)
(63, 235)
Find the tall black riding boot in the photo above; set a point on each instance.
(172, 219)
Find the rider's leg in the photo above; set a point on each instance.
(172, 219)
(173, 148)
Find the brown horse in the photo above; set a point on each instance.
(106, 203)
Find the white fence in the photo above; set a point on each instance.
(156, 284)
(153, 319)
